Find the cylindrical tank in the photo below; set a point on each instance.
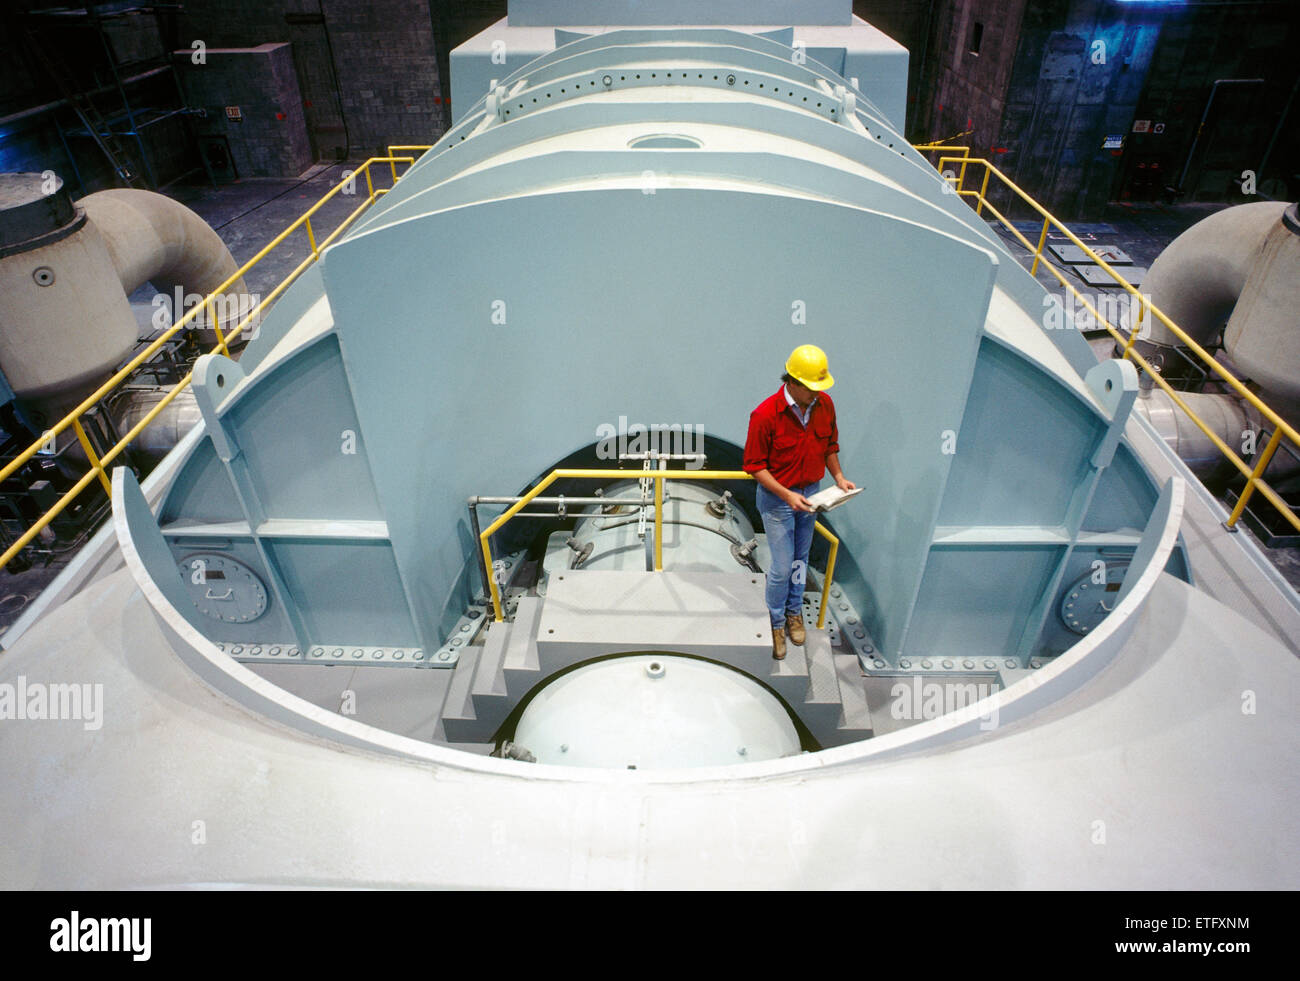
(704, 530)
(65, 323)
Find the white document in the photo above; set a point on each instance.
(832, 497)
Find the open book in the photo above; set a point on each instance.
(832, 497)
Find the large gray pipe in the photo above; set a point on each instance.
(1197, 279)
(1240, 266)
(1263, 335)
(153, 239)
(65, 274)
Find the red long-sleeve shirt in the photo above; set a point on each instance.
(793, 453)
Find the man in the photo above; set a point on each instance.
(792, 442)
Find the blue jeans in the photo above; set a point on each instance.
(789, 536)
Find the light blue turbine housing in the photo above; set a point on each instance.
(643, 223)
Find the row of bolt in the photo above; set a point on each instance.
(258, 650)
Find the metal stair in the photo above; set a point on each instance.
(823, 688)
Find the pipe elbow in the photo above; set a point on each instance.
(151, 238)
(1197, 279)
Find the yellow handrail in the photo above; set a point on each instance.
(98, 466)
(658, 476)
(1254, 477)
(393, 149)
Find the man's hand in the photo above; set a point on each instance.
(844, 484)
(798, 502)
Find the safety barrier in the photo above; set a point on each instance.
(960, 156)
(658, 476)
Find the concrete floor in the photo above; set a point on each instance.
(249, 213)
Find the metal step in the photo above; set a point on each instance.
(506, 668)
(855, 718)
(458, 707)
(821, 708)
(539, 641)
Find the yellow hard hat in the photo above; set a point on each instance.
(807, 365)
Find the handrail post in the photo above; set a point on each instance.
(491, 579)
(984, 188)
(829, 577)
(89, 450)
(1038, 252)
(1255, 474)
(1133, 334)
(659, 522)
(311, 238)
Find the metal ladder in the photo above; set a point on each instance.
(84, 107)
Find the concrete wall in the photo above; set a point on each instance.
(367, 72)
(1198, 45)
(268, 136)
(1078, 74)
(966, 88)
(1055, 78)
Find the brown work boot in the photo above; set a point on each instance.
(794, 626)
(778, 643)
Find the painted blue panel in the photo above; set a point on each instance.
(293, 428)
(132, 511)
(272, 626)
(974, 602)
(284, 313)
(672, 307)
(1024, 446)
(832, 58)
(1055, 637)
(1124, 496)
(882, 78)
(202, 491)
(354, 591)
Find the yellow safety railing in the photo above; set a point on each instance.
(658, 476)
(960, 156)
(98, 465)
